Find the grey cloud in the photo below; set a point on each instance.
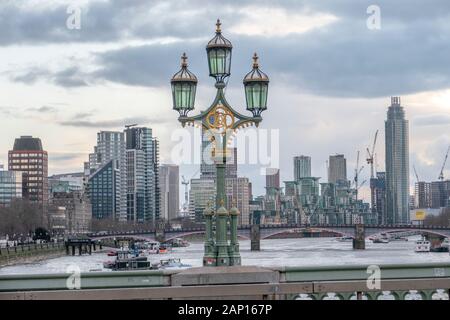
(43, 109)
(409, 54)
(104, 123)
(64, 156)
(114, 20)
(106, 21)
(69, 77)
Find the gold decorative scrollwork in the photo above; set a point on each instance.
(220, 118)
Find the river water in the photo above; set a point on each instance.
(274, 252)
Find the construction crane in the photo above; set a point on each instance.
(186, 195)
(185, 182)
(357, 173)
(372, 160)
(370, 156)
(415, 172)
(441, 174)
(128, 126)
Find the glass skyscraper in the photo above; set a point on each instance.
(102, 187)
(10, 186)
(142, 175)
(397, 164)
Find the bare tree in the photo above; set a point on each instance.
(443, 219)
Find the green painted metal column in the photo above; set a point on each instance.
(223, 258)
(209, 258)
(235, 256)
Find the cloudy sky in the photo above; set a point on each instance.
(331, 75)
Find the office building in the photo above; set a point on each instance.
(397, 164)
(170, 193)
(272, 178)
(302, 167)
(439, 193)
(31, 159)
(10, 186)
(104, 173)
(67, 182)
(379, 187)
(142, 175)
(422, 195)
(110, 146)
(72, 207)
(337, 168)
(237, 192)
(102, 190)
(201, 193)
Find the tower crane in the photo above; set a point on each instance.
(371, 159)
(370, 156)
(357, 173)
(185, 182)
(128, 126)
(441, 174)
(415, 173)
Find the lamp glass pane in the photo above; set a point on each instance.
(256, 95)
(264, 95)
(184, 95)
(249, 96)
(219, 61)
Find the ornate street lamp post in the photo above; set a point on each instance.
(221, 121)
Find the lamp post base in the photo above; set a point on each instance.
(235, 261)
(209, 262)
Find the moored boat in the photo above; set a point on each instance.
(345, 239)
(172, 263)
(422, 245)
(127, 260)
(380, 240)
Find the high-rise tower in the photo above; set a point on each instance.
(302, 167)
(397, 164)
(337, 170)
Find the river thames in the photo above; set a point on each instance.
(274, 253)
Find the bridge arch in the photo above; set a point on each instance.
(338, 233)
(185, 234)
(136, 237)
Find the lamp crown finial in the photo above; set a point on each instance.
(255, 60)
(218, 24)
(184, 60)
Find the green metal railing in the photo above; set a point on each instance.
(400, 281)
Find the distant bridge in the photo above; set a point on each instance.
(268, 231)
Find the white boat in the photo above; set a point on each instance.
(380, 240)
(422, 245)
(148, 247)
(345, 239)
(446, 243)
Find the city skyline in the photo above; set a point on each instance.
(319, 118)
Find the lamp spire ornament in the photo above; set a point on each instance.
(218, 24)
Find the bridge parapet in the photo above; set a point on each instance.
(403, 281)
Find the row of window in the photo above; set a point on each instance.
(22, 167)
(26, 160)
(27, 155)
